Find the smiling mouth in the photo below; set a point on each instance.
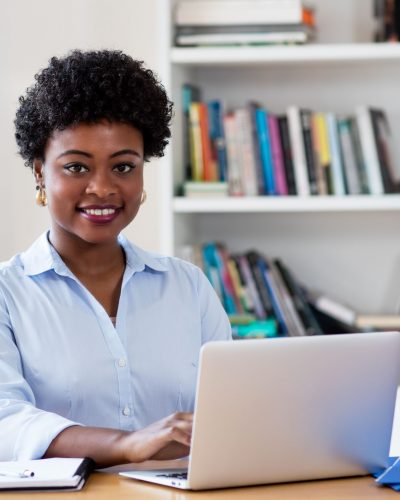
(98, 211)
(99, 215)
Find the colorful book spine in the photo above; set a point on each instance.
(253, 107)
(324, 150)
(277, 156)
(217, 135)
(265, 151)
(209, 163)
(190, 94)
(195, 142)
(319, 170)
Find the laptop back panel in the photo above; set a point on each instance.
(291, 409)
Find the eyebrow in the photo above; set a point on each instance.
(88, 155)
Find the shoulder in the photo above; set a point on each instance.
(170, 267)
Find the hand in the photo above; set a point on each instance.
(164, 440)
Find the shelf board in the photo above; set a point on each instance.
(290, 204)
(313, 53)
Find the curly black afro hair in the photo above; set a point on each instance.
(88, 87)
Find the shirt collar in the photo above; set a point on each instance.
(41, 256)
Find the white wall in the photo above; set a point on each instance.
(30, 33)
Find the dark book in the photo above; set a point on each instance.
(274, 293)
(259, 280)
(307, 317)
(331, 325)
(305, 117)
(381, 130)
(190, 93)
(287, 154)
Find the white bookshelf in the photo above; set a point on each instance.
(260, 204)
(313, 53)
(348, 247)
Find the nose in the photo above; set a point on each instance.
(101, 184)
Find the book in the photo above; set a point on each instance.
(251, 287)
(190, 93)
(235, 181)
(217, 137)
(202, 189)
(227, 12)
(257, 271)
(331, 307)
(209, 162)
(255, 330)
(264, 144)
(324, 151)
(306, 118)
(45, 474)
(260, 38)
(319, 169)
(310, 323)
(298, 151)
(358, 154)
(254, 108)
(287, 154)
(382, 135)
(246, 155)
(350, 165)
(336, 155)
(369, 149)
(277, 156)
(196, 146)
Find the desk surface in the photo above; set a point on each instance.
(111, 486)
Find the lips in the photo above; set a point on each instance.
(100, 214)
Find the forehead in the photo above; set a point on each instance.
(96, 138)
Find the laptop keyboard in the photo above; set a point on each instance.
(174, 475)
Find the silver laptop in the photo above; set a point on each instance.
(290, 409)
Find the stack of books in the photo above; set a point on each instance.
(297, 152)
(238, 22)
(263, 297)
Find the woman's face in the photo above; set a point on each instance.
(93, 177)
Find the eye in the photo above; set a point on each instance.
(75, 168)
(124, 168)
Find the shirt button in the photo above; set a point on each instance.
(126, 411)
(122, 362)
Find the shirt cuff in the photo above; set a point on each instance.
(37, 434)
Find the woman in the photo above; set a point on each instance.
(99, 340)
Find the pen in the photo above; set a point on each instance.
(25, 473)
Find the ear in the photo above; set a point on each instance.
(38, 171)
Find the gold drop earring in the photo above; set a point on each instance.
(41, 198)
(144, 197)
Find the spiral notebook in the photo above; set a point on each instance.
(45, 474)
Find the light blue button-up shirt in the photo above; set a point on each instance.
(63, 362)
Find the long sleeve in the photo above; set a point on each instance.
(25, 431)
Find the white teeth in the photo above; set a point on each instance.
(99, 211)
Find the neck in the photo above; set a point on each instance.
(84, 258)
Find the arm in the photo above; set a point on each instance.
(166, 439)
(27, 432)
